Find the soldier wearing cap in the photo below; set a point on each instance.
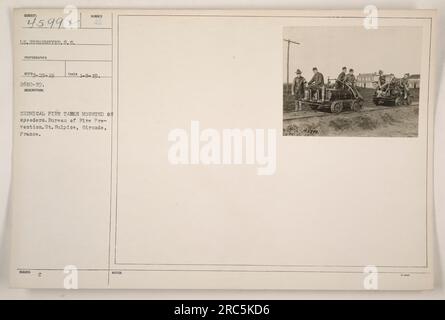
(298, 89)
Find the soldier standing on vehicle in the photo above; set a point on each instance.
(405, 85)
(350, 80)
(298, 89)
(341, 78)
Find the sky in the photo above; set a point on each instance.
(391, 49)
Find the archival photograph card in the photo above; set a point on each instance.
(228, 149)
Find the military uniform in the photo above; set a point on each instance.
(404, 83)
(340, 80)
(298, 91)
(382, 80)
(298, 87)
(317, 80)
(387, 85)
(350, 80)
(341, 77)
(315, 84)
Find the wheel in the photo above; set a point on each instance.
(336, 106)
(357, 105)
(398, 101)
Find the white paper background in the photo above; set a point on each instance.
(6, 128)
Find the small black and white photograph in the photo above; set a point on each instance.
(351, 81)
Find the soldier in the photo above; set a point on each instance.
(341, 78)
(298, 89)
(382, 79)
(350, 80)
(316, 82)
(405, 85)
(350, 77)
(387, 85)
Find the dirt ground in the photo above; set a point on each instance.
(372, 121)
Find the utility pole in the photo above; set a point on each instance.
(288, 49)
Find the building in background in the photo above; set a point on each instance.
(367, 80)
(414, 81)
(370, 80)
